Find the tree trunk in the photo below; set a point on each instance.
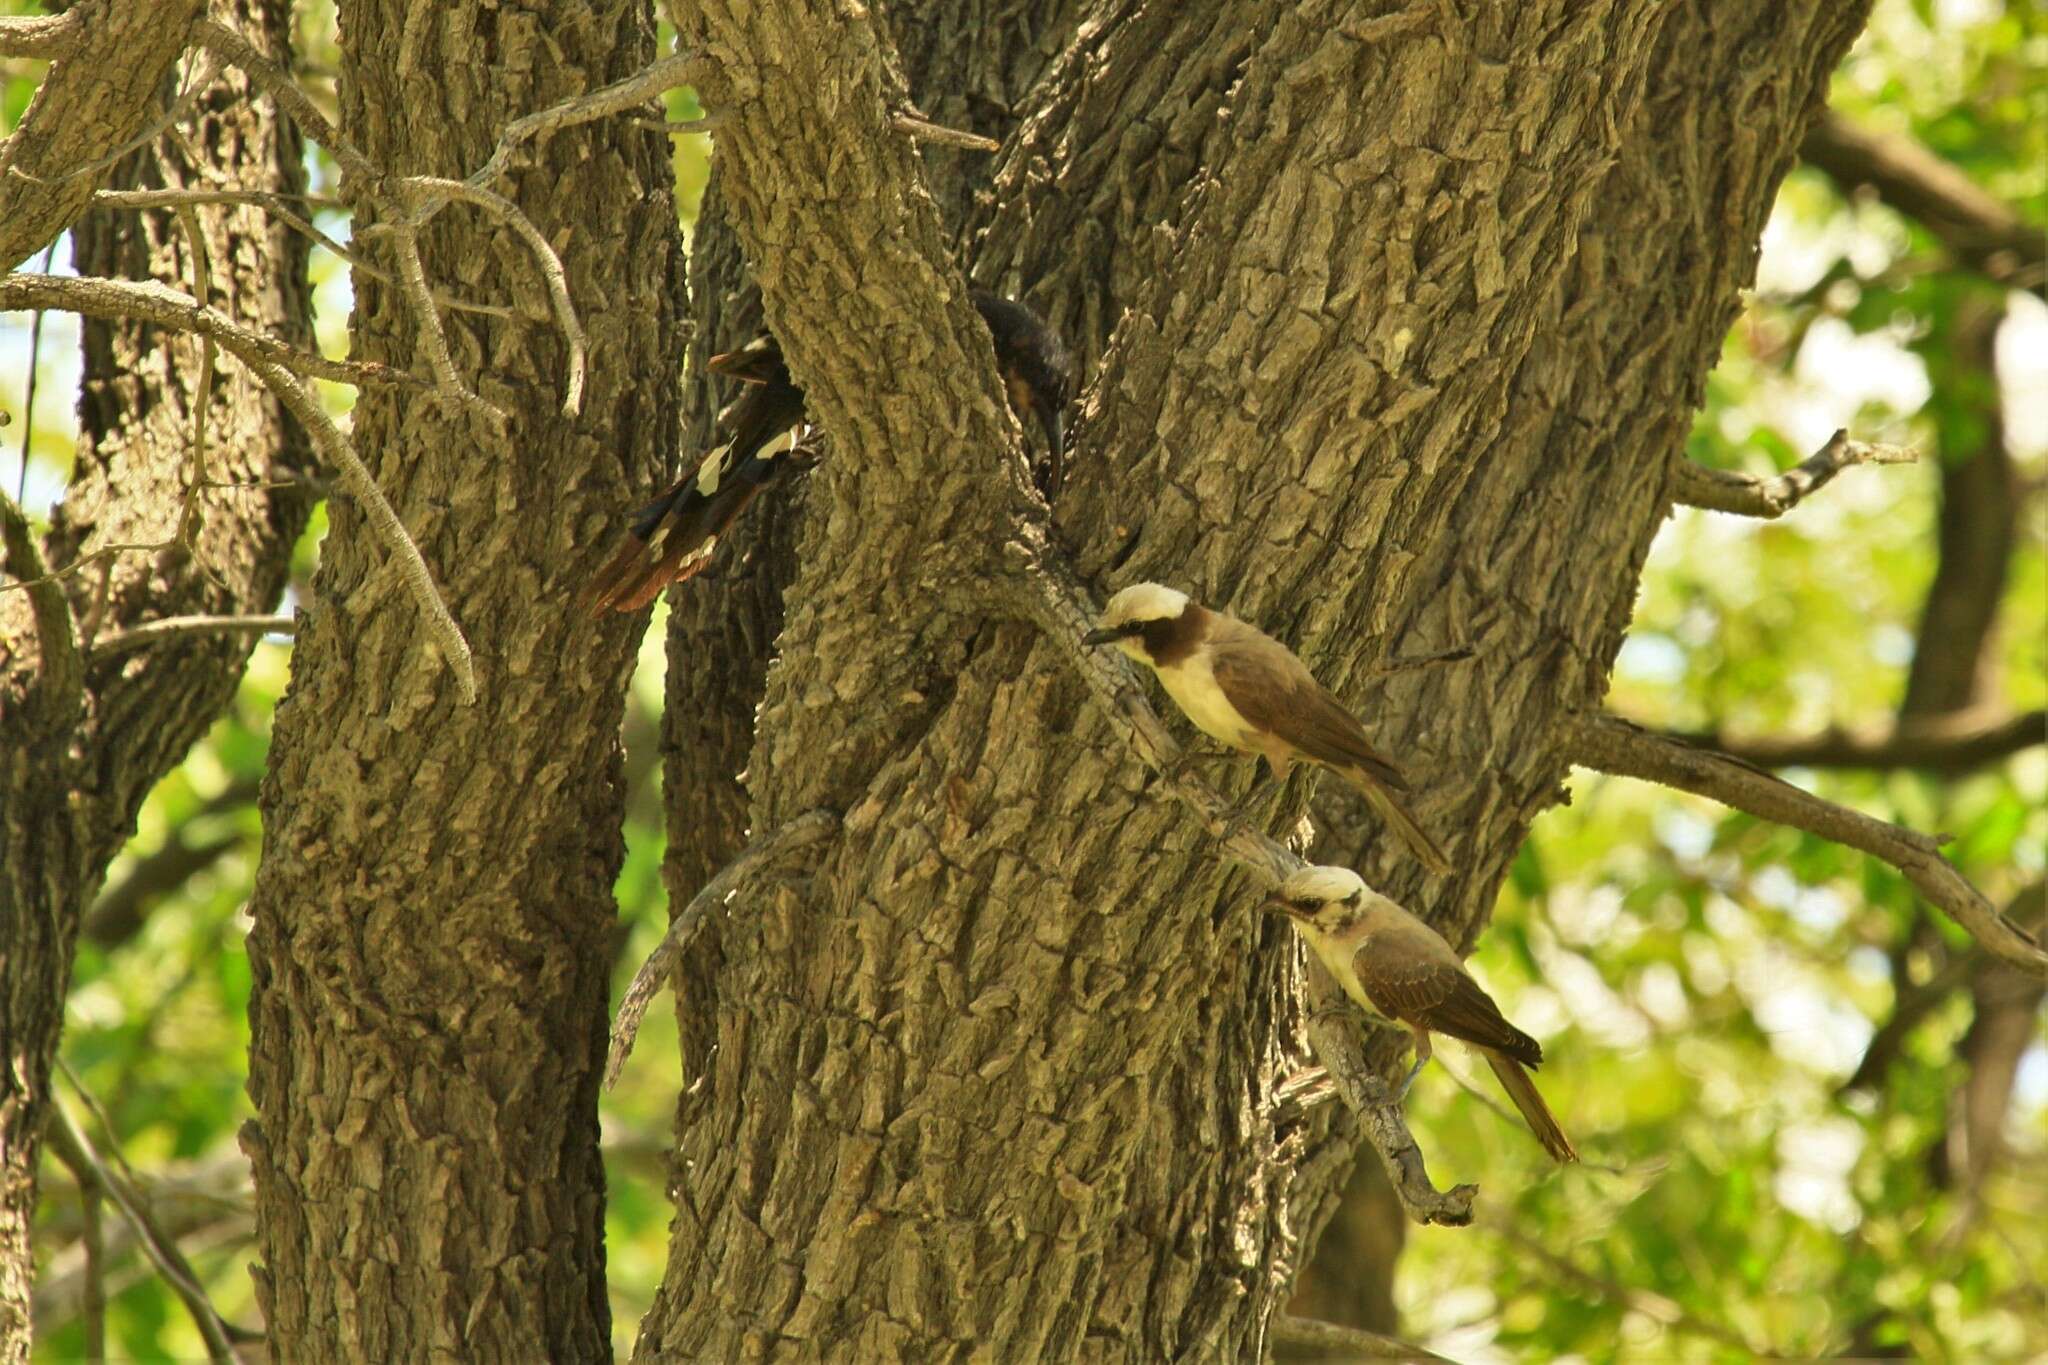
(73, 776)
(1383, 374)
(433, 911)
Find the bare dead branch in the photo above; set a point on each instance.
(60, 688)
(1719, 490)
(801, 832)
(1044, 591)
(277, 82)
(1612, 745)
(280, 207)
(551, 271)
(657, 77)
(924, 130)
(1974, 225)
(173, 627)
(1340, 1342)
(412, 279)
(166, 307)
(1951, 741)
(337, 450)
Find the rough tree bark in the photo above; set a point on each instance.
(73, 777)
(433, 910)
(1384, 375)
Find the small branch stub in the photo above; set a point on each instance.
(1718, 490)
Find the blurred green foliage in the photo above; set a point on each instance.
(1703, 983)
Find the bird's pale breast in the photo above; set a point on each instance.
(1192, 685)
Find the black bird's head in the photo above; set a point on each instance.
(1037, 373)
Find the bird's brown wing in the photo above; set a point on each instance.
(1274, 690)
(1414, 987)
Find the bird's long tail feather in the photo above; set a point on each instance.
(1391, 809)
(1521, 1088)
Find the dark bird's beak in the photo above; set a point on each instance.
(1111, 635)
(1277, 904)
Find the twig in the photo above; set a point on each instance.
(171, 627)
(72, 1147)
(340, 454)
(1044, 591)
(924, 130)
(1614, 746)
(277, 205)
(200, 73)
(1402, 663)
(93, 1305)
(801, 832)
(202, 290)
(164, 306)
(28, 399)
(61, 686)
(1345, 1343)
(1748, 495)
(294, 101)
(1650, 1305)
(651, 81)
(551, 271)
(412, 279)
(1950, 741)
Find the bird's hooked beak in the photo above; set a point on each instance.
(1109, 635)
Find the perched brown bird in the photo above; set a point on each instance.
(1240, 685)
(674, 536)
(1399, 969)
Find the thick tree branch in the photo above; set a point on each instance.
(1719, 490)
(1983, 233)
(46, 38)
(1612, 745)
(96, 98)
(801, 832)
(1950, 742)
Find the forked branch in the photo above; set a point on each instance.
(1747, 495)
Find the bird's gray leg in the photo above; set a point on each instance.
(1421, 1060)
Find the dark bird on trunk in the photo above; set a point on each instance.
(1398, 969)
(1240, 685)
(673, 537)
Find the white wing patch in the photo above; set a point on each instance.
(711, 470)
